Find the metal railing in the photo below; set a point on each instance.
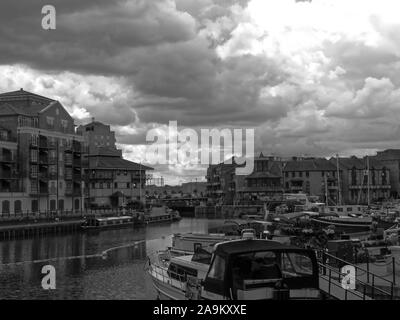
(328, 262)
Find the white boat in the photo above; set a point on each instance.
(244, 269)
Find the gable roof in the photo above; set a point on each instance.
(316, 164)
(114, 162)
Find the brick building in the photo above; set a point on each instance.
(41, 168)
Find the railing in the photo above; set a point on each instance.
(325, 259)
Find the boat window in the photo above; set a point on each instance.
(217, 270)
(180, 273)
(256, 266)
(295, 264)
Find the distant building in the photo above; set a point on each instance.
(40, 155)
(264, 183)
(98, 135)
(110, 180)
(391, 159)
(313, 176)
(221, 182)
(355, 182)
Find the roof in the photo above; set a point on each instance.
(359, 163)
(22, 94)
(113, 162)
(22, 102)
(245, 246)
(317, 164)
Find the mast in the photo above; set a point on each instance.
(338, 179)
(326, 190)
(368, 183)
(140, 181)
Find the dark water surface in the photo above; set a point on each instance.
(82, 271)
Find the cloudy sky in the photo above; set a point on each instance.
(312, 77)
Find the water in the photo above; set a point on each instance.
(82, 270)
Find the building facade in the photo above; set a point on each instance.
(313, 176)
(98, 135)
(41, 155)
(110, 180)
(390, 158)
(221, 185)
(364, 180)
(264, 183)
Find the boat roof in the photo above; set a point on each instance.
(113, 218)
(187, 261)
(244, 246)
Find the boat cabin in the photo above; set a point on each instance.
(261, 269)
(94, 222)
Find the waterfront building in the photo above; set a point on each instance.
(40, 155)
(364, 178)
(391, 159)
(110, 180)
(313, 176)
(221, 182)
(264, 183)
(98, 135)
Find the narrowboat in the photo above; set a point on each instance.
(110, 222)
(244, 269)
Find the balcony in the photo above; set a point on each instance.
(77, 162)
(8, 175)
(43, 160)
(33, 174)
(261, 189)
(6, 158)
(43, 176)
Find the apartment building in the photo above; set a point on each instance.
(110, 180)
(40, 155)
(364, 178)
(313, 176)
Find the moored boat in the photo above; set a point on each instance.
(109, 222)
(239, 270)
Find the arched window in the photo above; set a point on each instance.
(5, 208)
(17, 206)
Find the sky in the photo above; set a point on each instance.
(311, 77)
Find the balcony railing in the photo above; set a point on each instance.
(6, 158)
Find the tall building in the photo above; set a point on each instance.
(110, 180)
(41, 168)
(98, 135)
(221, 182)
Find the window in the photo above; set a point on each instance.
(307, 174)
(296, 265)
(50, 121)
(217, 270)
(300, 174)
(93, 185)
(101, 185)
(61, 204)
(17, 206)
(34, 171)
(64, 124)
(76, 204)
(293, 174)
(116, 185)
(35, 206)
(5, 208)
(287, 174)
(34, 155)
(322, 173)
(128, 185)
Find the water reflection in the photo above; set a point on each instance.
(95, 265)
